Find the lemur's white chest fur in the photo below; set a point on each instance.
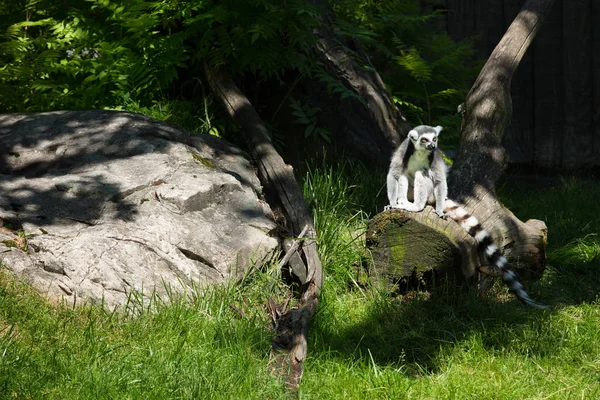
(418, 161)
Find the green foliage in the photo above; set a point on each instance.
(132, 54)
(263, 37)
(88, 54)
(428, 74)
(307, 115)
(148, 57)
(95, 53)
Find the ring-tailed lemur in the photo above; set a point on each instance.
(418, 165)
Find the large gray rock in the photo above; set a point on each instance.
(110, 202)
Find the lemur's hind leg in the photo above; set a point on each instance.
(440, 191)
(422, 189)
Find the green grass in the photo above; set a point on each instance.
(215, 346)
(569, 210)
(364, 344)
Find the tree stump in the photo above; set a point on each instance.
(480, 162)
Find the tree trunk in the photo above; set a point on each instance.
(362, 120)
(292, 327)
(368, 85)
(479, 164)
(481, 158)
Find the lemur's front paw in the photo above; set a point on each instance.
(394, 206)
(441, 214)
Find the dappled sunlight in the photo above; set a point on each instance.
(579, 252)
(431, 343)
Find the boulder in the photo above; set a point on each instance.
(95, 204)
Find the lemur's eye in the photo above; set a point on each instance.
(435, 139)
(424, 140)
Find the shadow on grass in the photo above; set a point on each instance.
(415, 331)
(568, 205)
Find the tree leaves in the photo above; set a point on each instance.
(418, 68)
(427, 72)
(98, 53)
(306, 115)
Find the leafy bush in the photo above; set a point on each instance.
(133, 54)
(428, 73)
(83, 54)
(96, 53)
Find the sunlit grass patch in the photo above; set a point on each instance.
(181, 349)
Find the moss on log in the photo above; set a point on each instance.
(411, 249)
(415, 248)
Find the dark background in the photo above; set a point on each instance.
(556, 89)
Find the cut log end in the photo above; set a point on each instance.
(410, 249)
(416, 249)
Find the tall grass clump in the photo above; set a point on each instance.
(342, 198)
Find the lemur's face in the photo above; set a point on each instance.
(425, 137)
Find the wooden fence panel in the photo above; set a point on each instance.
(520, 133)
(548, 88)
(556, 89)
(578, 87)
(596, 76)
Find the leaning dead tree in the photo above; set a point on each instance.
(480, 162)
(301, 248)
(380, 129)
(367, 84)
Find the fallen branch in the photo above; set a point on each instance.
(292, 327)
(292, 250)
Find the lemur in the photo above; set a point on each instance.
(418, 165)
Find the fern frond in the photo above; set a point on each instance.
(411, 61)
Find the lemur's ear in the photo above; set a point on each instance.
(438, 129)
(414, 135)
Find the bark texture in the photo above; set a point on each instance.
(361, 118)
(480, 162)
(481, 157)
(367, 84)
(409, 248)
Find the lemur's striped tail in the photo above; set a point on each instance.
(486, 246)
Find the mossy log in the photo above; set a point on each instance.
(410, 249)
